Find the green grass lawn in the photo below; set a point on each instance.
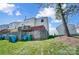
(44, 47)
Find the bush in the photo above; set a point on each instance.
(52, 36)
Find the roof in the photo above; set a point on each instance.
(33, 28)
(38, 27)
(4, 31)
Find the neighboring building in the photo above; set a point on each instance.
(37, 27)
(23, 31)
(4, 31)
(31, 22)
(5, 26)
(71, 27)
(37, 22)
(14, 25)
(77, 28)
(39, 32)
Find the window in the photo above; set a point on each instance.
(42, 20)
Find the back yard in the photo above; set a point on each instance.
(54, 46)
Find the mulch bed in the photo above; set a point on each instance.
(69, 40)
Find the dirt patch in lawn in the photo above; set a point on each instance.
(69, 40)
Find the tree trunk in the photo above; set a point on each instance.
(64, 22)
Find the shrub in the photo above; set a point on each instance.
(52, 36)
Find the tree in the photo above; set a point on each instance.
(60, 15)
(63, 13)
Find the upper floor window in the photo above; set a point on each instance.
(42, 20)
